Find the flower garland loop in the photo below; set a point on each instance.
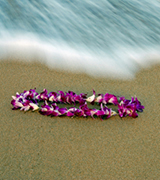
(31, 100)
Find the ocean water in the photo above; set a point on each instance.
(101, 38)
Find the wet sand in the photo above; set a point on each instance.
(39, 147)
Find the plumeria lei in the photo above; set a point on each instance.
(32, 100)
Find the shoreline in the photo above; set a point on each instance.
(36, 146)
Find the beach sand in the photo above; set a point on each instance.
(39, 147)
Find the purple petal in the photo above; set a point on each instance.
(43, 95)
(34, 106)
(99, 99)
(109, 98)
(79, 112)
(26, 106)
(52, 96)
(55, 113)
(70, 114)
(137, 103)
(62, 111)
(61, 97)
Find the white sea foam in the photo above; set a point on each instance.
(123, 63)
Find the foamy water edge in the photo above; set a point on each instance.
(62, 57)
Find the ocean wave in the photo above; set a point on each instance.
(106, 38)
(124, 63)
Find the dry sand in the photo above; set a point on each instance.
(39, 147)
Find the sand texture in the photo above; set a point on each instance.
(39, 147)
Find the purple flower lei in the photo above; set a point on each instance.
(31, 100)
